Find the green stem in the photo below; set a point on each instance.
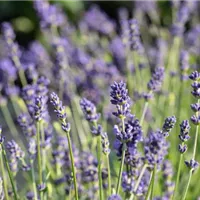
(149, 187)
(72, 165)
(144, 112)
(9, 172)
(137, 70)
(123, 158)
(39, 157)
(178, 176)
(15, 106)
(99, 152)
(188, 184)
(4, 177)
(195, 142)
(22, 78)
(109, 175)
(153, 180)
(9, 120)
(121, 169)
(43, 149)
(33, 180)
(138, 181)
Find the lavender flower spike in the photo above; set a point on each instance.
(168, 125)
(119, 97)
(89, 110)
(60, 110)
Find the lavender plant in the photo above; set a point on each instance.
(113, 139)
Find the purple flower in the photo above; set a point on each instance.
(168, 176)
(40, 108)
(12, 47)
(181, 18)
(182, 148)
(184, 132)
(195, 119)
(119, 93)
(118, 52)
(156, 81)
(30, 195)
(99, 21)
(195, 76)
(105, 143)
(128, 182)
(123, 136)
(168, 125)
(192, 164)
(59, 109)
(14, 149)
(145, 6)
(184, 64)
(89, 110)
(27, 125)
(196, 89)
(114, 197)
(155, 148)
(16, 154)
(184, 136)
(195, 107)
(134, 37)
(8, 32)
(50, 15)
(32, 148)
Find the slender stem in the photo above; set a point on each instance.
(22, 77)
(195, 142)
(15, 106)
(9, 172)
(149, 187)
(43, 149)
(72, 165)
(99, 151)
(186, 190)
(4, 177)
(33, 180)
(9, 120)
(144, 112)
(121, 169)
(122, 160)
(178, 176)
(138, 181)
(109, 175)
(153, 180)
(39, 157)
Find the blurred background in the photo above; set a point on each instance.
(26, 24)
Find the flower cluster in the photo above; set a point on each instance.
(168, 125)
(184, 64)
(184, 135)
(195, 76)
(155, 148)
(89, 110)
(155, 83)
(134, 37)
(16, 154)
(59, 109)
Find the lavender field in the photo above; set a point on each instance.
(101, 107)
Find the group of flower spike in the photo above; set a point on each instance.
(76, 155)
